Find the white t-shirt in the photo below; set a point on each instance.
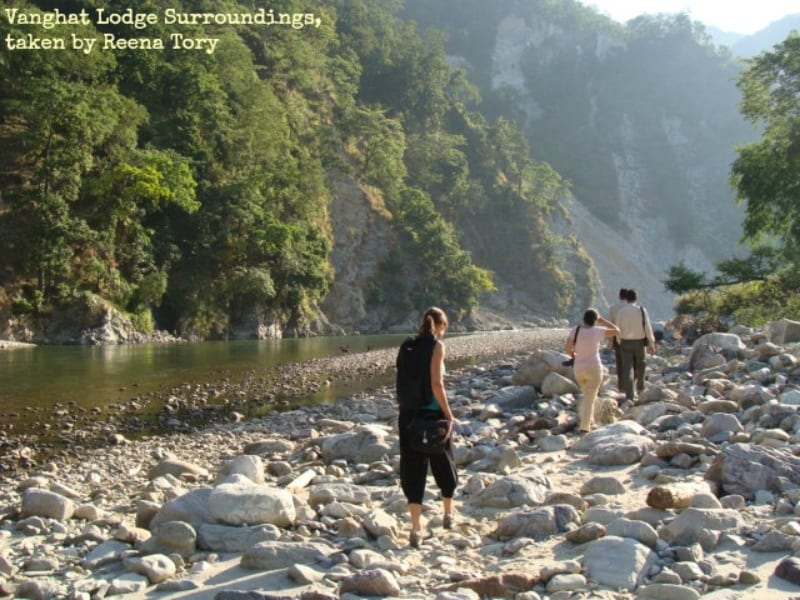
(587, 348)
(629, 320)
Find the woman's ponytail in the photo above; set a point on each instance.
(431, 320)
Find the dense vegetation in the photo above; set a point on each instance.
(765, 285)
(589, 93)
(193, 190)
(190, 189)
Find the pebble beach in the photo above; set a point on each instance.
(693, 492)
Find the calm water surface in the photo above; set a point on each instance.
(45, 376)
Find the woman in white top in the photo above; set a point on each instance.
(584, 345)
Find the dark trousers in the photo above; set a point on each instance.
(632, 358)
(414, 466)
(617, 361)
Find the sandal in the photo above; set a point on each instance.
(447, 522)
(415, 538)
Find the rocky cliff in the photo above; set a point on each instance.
(362, 238)
(641, 119)
(650, 174)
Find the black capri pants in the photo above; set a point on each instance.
(414, 465)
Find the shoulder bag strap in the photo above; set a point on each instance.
(575, 340)
(644, 325)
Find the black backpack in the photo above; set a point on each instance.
(413, 384)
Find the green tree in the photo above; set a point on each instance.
(766, 173)
(376, 144)
(446, 272)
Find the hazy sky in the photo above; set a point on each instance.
(738, 16)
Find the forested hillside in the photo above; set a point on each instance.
(641, 118)
(192, 189)
(339, 165)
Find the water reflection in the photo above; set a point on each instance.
(45, 376)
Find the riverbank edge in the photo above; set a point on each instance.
(194, 406)
(12, 345)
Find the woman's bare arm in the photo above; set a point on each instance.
(437, 380)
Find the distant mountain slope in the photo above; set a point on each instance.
(724, 38)
(766, 38)
(641, 119)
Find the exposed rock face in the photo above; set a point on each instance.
(362, 238)
(660, 177)
(90, 321)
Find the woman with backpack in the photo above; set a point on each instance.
(423, 396)
(583, 345)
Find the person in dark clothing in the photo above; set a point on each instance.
(613, 311)
(414, 465)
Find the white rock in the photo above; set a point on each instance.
(539, 522)
(555, 384)
(267, 556)
(783, 331)
(373, 582)
(44, 503)
(129, 583)
(602, 485)
(637, 530)
(177, 468)
(688, 527)
(325, 493)
(618, 562)
(512, 491)
(251, 504)
(566, 582)
(224, 538)
(666, 591)
(367, 444)
(724, 341)
(248, 465)
(156, 567)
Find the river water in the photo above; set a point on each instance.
(97, 376)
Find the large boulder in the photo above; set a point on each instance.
(245, 503)
(621, 443)
(618, 562)
(224, 538)
(267, 556)
(555, 384)
(191, 508)
(247, 465)
(542, 364)
(513, 491)
(745, 469)
(783, 331)
(514, 397)
(691, 526)
(325, 493)
(722, 341)
(367, 444)
(538, 523)
(43, 503)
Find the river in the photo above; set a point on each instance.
(44, 377)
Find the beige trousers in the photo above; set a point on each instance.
(589, 379)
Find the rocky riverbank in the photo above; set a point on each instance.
(71, 430)
(695, 492)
